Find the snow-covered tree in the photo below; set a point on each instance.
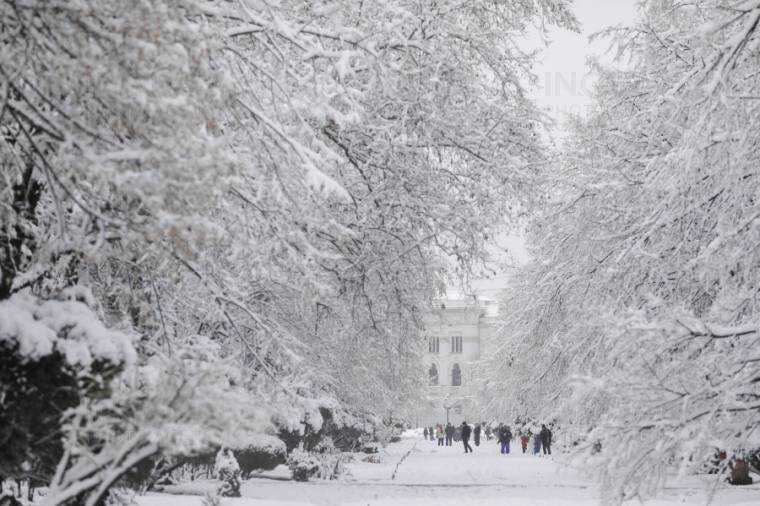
(270, 191)
(636, 324)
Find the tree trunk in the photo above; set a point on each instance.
(14, 233)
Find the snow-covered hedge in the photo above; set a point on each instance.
(253, 451)
(307, 465)
(325, 461)
(35, 328)
(260, 451)
(54, 353)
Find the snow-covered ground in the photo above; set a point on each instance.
(433, 476)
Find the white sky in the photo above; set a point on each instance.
(563, 79)
(564, 87)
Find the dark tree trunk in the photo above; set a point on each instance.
(15, 233)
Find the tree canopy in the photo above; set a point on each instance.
(263, 196)
(635, 325)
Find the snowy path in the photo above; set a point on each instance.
(435, 476)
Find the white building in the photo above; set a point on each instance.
(456, 330)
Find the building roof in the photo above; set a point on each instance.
(489, 307)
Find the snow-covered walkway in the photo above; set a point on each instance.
(430, 475)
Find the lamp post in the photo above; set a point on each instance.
(447, 408)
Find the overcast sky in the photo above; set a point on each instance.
(564, 83)
(564, 86)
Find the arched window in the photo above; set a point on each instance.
(456, 376)
(433, 373)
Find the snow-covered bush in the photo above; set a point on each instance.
(304, 465)
(227, 470)
(387, 432)
(344, 431)
(259, 451)
(252, 451)
(54, 354)
(325, 462)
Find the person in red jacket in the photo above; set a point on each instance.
(524, 440)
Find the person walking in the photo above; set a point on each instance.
(425, 434)
(546, 440)
(536, 443)
(466, 431)
(476, 434)
(524, 440)
(439, 434)
(488, 432)
(432, 433)
(449, 433)
(505, 436)
(500, 434)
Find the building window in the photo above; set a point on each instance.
(456, 376)
(433, 373)
(434, 344)
(456, 344)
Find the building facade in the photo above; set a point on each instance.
(456, 330)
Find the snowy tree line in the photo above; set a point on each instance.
(636, 323)
(217, 217)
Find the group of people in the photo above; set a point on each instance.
(446, 434)
(542, 439)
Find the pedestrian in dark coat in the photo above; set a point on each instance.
(449, 434)
(466, 431)
(476, 435)
(536, 443)
(546, 439)
(505, 436)
(425, 433)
